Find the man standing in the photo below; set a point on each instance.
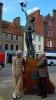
(43, 74)
(17, 68)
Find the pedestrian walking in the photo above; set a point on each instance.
(17, 68)
(43, 74)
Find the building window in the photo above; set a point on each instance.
(49, 33)
(50, 43)
(6, 36)
(11, 37)
(16, 37)
(39, 38)
(0, 47)
(11, 47)
(49, 23)
(16, 47)
(39, 47)
(6, 46)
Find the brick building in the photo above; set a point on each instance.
(38, 24)
(45, 26)
(50, 32)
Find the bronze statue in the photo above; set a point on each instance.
(28, 37)
(29, 31)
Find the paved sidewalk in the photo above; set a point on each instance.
(1, 98)
(6, 90)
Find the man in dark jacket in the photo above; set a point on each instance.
(43, 74)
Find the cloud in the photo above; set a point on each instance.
(32, 10)
(4, 9)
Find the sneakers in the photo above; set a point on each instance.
(14, 96)
(18, 96)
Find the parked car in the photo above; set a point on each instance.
(51, 58)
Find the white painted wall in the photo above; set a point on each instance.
(36, 43)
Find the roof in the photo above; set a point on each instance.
(23, 28)
(11, 28)
(32, 10)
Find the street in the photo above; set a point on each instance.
(6, 85)
(7, 71)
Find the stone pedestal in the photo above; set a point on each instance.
(31, 77)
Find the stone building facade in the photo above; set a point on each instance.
(11, 37)
(11, 34)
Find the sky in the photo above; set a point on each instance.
(12, 9)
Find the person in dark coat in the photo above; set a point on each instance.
(43, 74)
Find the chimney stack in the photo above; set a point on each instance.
(54, 12)
(1, 7)
(38, 11)
(17, 21)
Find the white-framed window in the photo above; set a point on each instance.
(50, 43)
(11, 36)
(6, 46)
(6, 36)
(16, 37)
(39, 47)
(39, 38)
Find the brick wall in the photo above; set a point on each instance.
(38, 24)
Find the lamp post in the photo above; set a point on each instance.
(23, 6)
